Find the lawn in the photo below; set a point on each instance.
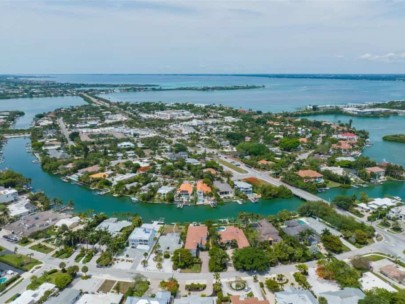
(374, 257)
(106, 286)
(255, 181)
(122, 287)
(195, 269)
(88, 257)
(231, 166)
(41, 248)
(19, 261)
(24, 242)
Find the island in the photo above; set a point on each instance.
(399, 138)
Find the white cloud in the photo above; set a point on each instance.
(387, 58)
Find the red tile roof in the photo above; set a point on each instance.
(309, 173)
(233, 233)
(196, 235)
(239, 300)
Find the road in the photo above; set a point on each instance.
(264, 175)
(64, 131)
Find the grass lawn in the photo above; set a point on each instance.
(122, 287)
(88, 257)
(1, 249)
(106, 286)
(333, 184)
(24, 242)
(374, 257)
(231, 166)
(19, 261)
(195, 269)
(42, 248)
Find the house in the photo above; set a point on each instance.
(142, 237)
(33, 296)
(71, 222)
(247, 300)
(161, 297)
(67, 296)
(185, 190)
(196, 238)
(165, 190)
(310, 176)
(344, 296)
(101, 175)
(397, 213)
(224, 190)
(295, 227)
(202, 189)
(266, 232)
(195, 300)
(125, 145)
(91, 169)
(376, 173)
(385, 202)
(232, 233)
(394, 273)
(170, 242)
(113, 226)
(347, 136)
(20, 208)
(8, 195)
(100, 298)
(342, 145)
(244, 187)
(335, 170)
(295, 296)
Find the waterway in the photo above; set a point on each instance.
(18, 159)
(34, 106)
(279, 95)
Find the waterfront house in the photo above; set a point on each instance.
(295, 228)
(385, 202)
(310, 176)
(342, 146)
(113, 226)
(70, 222)
(165, 190)
(142, 237)
(349, 136)
(91, 169)
(185, 191)
(232, 233)
(196, 238)
(266, 232)
(376, 173)
(244, 187)
(101, 175)
(224, 190)
(202, 189)
(170, 242)
(8, 195)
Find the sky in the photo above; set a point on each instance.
(175, 36)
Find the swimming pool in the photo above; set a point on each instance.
(221, 228)
(3, 280)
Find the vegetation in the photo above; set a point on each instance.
(339, 271)
(170, 285)
(183, 259)
(352, 230)
(301, 280)
(19, 261)
(138, 288)
(400, 138)
(273, 285)
(60, 278)
(382, 296)
(250, 259)
(218, 259)
(41, 248)
(331, 242)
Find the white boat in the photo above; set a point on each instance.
(239, 202)
(134, 199)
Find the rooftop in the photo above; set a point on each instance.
(196, 235)
(233, 233)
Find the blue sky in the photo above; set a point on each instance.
(174, 36)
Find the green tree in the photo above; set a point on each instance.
(250, 259)
(182, 258)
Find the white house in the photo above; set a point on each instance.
(33, 296)
(8, 195)
(71, 222)
(244, 187)
(142, 236)
(382, 203)
(126, 145)
(397, 213)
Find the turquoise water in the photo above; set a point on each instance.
(34, 106)
(3, 280)
(279, 95)
(18, 159)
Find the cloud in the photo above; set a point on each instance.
(387, 58)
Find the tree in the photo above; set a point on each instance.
(62, 266)
(85, 269)
(272, 285)
(303, 268)
(332, 243)
(62, 280)
(182, 258)
(361, 263)
(289, 144)
(250, 259)
(218, 259)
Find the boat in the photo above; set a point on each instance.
(134, 199)
(65, 179)
(239, 202)
(213, 204)
(102, 192)
(180, 205)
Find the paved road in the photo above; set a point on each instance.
(64, 131)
